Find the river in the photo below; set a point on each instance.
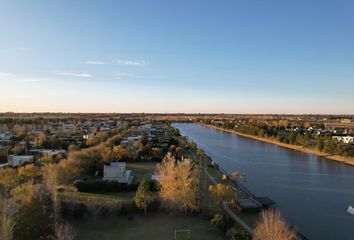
(312, 193)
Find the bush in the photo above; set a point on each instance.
(72, 209)
(104, 186)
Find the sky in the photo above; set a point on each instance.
(186, 56)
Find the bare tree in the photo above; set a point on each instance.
(64, 231)
(272, 226)
(178, 182)
(50, 179)
(6, 223)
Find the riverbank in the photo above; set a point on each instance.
(338, 158)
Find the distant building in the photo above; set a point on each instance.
(88, 136)
(48, 152)
(116, 171)
(15, 161)
(6, 136)
(344, 139)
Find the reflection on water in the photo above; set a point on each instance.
(312, 193)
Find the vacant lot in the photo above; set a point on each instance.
(150, 227)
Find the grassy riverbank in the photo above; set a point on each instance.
(338, 158)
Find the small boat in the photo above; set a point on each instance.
(351, 210)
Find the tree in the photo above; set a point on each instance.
(33, 220)
(8, 178)
(222, 192)
(261, 133)
(6, 222)
(41, 141)
(272, 227)
(319, 145)
(235, 176)
(122, 154)
(67, 171)
(45, 159)
(217, 220)
(73, 147)
(143, 196)
(64, 231)
(28, 172)
(178, 184)
(107, 153)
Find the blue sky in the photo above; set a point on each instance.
(177, 56)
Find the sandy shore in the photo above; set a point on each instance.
(338, 158)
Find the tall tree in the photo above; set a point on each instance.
(143, 196)
(6, 222)
(178, 183)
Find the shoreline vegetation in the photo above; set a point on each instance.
(337, 158)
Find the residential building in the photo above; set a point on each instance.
(18, 160)
(344, 139)
(116, 171)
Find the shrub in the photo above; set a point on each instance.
(273, 227)
(72, 209)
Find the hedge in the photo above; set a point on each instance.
(104, 186)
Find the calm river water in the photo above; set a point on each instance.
(312, 193)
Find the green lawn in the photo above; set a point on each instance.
(82, 196)
(141, 169)
(150, 227)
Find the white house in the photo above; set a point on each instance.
(116, 171)
(6, 136)
(88, 136)
(344, 139)
(14, 161)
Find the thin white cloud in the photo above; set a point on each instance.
(125, 76)
(95, 62)
(75, 74)
(131, 62)
(6, 74)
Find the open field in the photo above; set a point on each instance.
(83, 197)
(150, 227)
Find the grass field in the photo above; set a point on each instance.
(150, 227)
(82, 196)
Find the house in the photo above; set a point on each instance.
(116, 171)
(344, 139)
(15, 161)
(130, 141)
(48, 152)
(6, 136)
(88, 136)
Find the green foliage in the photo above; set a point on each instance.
(8, 178)
(143, 196)
(217, 220)
(34, 219)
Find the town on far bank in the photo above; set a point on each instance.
(128, 176)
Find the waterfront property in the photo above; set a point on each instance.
(312, 193)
